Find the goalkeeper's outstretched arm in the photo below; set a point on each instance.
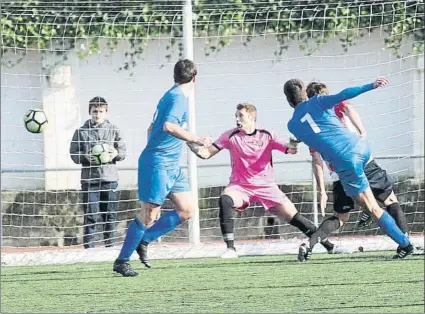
(201, 151)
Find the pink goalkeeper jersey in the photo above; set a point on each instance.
(251, 155)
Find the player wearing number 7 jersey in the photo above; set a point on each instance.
(315, 123)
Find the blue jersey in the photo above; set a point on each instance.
(163, 150)
(316, 124)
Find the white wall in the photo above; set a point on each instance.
(236, 74)
(21, 90)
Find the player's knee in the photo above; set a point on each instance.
(185, 213)
(391, 199)
(343, 218)
(148, 213)
(226, 207)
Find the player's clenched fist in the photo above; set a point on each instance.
(293, 143)
(380, 82)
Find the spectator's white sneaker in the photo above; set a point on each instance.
(230, 253)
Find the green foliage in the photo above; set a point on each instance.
(49, 27)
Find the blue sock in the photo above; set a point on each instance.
(388, 225)
(135, 233)
(167, 222)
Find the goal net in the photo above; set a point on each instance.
(57, 57)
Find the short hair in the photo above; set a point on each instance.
(184, 71)
(249, 108)
(294, 90)
(317, 88)
(97, 102)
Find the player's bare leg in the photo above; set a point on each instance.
(184, 204)
(393, 207)
(166, 223)
(288, 211)
(387, 224)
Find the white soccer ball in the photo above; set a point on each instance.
(35, 120)
(101, 154)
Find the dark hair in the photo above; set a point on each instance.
(294, 90)
(316, 88)
(97, 102)
(184, 71)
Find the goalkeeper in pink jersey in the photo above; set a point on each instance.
(252, 178)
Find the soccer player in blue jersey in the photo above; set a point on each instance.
(381, 183)
(315, 123)
(159, 172)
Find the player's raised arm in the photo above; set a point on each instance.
(354, 117)
(329, 101)
(319, 175)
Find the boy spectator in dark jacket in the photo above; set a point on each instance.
(98, 182)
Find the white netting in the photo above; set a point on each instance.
(41, 199)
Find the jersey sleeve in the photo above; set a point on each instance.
(339, 109)
(176, 109)
(223, 141)
(278, 143)
(329, 101)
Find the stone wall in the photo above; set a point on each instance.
(55, 218)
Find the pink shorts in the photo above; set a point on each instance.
(267, 195)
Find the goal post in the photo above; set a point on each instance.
(58, 58)
(194, 226)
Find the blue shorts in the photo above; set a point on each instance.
(350, 169)
(155, 184)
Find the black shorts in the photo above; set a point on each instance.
(380, 183)
(342, 202)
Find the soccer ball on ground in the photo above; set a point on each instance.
(101, 154)
(35, 120)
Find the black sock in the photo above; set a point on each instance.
(327, 245)
(306, 226)
(226, 220)
(328, 226)
(230, 240)
(397, 213)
